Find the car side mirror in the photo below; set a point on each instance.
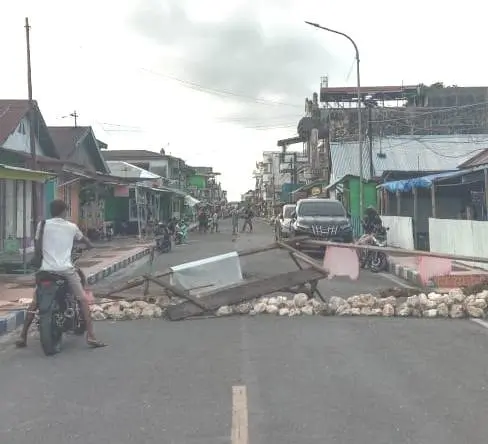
(281, 217)
(348, 215)
(294, 215)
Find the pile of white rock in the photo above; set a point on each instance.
(123, 310)
(454, 304)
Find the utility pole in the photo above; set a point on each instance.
(75, 116)
(370, 137)
(273, 198)
(370, 104)
(360, 132)
(32, 125)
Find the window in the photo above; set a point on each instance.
(321, 208)
(21, 128)
(132, 209)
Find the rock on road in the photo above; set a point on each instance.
(306, 380)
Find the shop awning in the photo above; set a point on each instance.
(191, 201)
(17, 173)
(407, 185)
(175, 191)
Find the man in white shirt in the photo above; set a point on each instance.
(215, 221)
(57, 244)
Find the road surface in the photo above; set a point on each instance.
(272, 380)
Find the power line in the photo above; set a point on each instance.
(219, 92)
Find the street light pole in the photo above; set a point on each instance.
(360, 148)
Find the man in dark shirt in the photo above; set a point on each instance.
(372, 222)
(248, 216)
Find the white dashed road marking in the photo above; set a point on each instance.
(240, 425)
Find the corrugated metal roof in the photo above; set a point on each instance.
(125, 169)
(478, 159)
(407, 153)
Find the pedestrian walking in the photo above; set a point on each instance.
(248, 216)
(215, 222)
(235, 221)
(202, 222)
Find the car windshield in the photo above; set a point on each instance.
(321, 209)
(288, 212)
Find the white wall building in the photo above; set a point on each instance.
(274, 171)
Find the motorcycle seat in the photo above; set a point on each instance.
(49, 276)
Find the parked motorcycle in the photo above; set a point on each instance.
(58, 310)
(377, 261)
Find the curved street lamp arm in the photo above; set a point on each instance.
(316, 25)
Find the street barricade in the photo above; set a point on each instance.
(208, 274)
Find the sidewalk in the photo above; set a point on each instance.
(406, 267)
(105, 259)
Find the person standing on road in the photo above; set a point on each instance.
(57, 245)
(248, 216)
(235, 221)
(202, 221)
(215, 221)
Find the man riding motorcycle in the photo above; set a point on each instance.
(57, 245)
(372, 223)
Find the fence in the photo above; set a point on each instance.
(400, 233)
(357, 228)
(461, 237)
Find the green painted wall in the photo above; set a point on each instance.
(197, 181)
(369, 191)
(117, 208)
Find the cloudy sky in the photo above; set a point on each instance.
(218, 82)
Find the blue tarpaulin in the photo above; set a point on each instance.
(407, 185)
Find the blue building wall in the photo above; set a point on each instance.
(49, 195)
(286, 190)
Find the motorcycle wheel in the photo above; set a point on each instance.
(50, 334)
(378, 262)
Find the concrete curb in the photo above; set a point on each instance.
(404, 272)
(15, 318)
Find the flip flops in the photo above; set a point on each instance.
(93, 343)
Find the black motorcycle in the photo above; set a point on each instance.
(377, 261)
(58, 310)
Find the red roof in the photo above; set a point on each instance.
(11, 113)
(366, 89)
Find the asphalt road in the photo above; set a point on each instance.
(260, 265)
(307, 380)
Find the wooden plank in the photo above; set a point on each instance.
(180, 293)
(304, 258)
(244, 292)
(394, 251)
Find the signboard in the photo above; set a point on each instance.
(316, 191)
